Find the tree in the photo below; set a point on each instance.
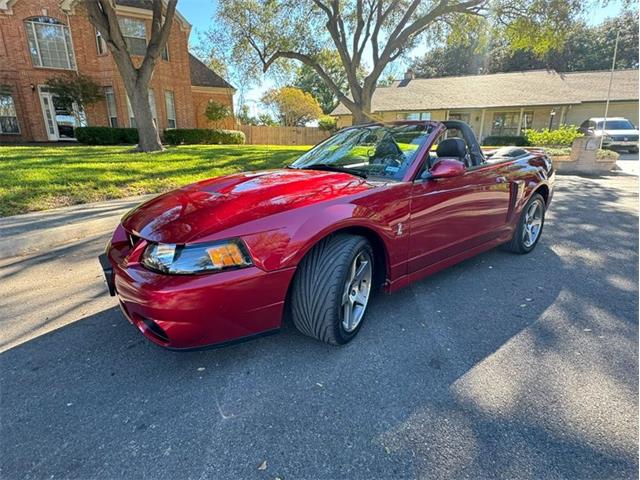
(217, 112)
(136, 78)
(292, 106)
(270, 33)
(307, 79)
(487, 50)
(244, 117)
(75, 89)
(266, 119)
(327, 123)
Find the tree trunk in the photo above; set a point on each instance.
(148, 136)
(362, 112)
(360, 117)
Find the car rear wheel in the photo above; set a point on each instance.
(529, 229)
(332, 288)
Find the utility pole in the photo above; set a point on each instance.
(613, 66)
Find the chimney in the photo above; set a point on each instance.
(409, 75)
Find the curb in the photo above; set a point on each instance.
(32, 232)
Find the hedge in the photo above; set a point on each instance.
(602, 154)
(563, 136)
(106, 135)
(506, 140)
(178, 136)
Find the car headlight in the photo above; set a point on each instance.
(197, 258)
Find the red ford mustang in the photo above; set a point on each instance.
(373, 206)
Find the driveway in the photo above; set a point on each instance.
(628, 163)
(504, 366)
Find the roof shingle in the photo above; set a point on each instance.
(203, 76)
(531, 88)
(593, 86)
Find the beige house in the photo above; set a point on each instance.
(506, 103)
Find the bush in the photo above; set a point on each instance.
(603, 154)
(179, 136)
(106, 135)
(561, 137)
(558, 152)
(506, 141)
(327, 123)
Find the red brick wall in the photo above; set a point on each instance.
(201, 100)
(17, 71)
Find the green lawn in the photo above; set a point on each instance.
(38, 178)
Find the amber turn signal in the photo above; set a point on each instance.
(226, 255)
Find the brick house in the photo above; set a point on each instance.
(41, 39)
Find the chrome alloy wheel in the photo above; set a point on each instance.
(356, 291)
(532, 223)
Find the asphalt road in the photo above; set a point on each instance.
(504, 366)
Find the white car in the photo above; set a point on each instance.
(619, 133)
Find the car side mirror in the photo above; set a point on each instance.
(447, 168)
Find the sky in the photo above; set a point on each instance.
(200, 14)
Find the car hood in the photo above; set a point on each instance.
(200, 209)
(619, 132)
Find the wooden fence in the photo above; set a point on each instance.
(263, 135)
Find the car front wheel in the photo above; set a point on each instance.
(332, 288)
(529, 226)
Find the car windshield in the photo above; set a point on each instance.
(616, 125)
(369, 151)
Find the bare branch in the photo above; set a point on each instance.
(159, 34)
(319, 70)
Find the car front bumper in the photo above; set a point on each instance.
(195, 311)
(619, 144)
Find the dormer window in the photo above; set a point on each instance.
(50, 43)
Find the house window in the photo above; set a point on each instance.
(462, 116)
(101, 45)
(165, 53)
(415, 116)
(134, 32)
(152, 104)
(50, 43)
(110, 97)
(171, 109)
(132, 119)
(8, 117)
(506, 123)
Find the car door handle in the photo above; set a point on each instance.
(501, 180)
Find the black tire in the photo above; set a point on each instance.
(319, 284)
(517, 243)
(633, 150)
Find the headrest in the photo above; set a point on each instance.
(452, 147)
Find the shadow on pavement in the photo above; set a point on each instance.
(503, 366)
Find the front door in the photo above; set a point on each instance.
(60, 121)
(452, 215)
(48, 112)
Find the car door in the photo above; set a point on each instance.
(451, 215)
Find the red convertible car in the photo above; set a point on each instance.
(378, 205)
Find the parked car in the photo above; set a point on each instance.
(372, 206)
(619, 133)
